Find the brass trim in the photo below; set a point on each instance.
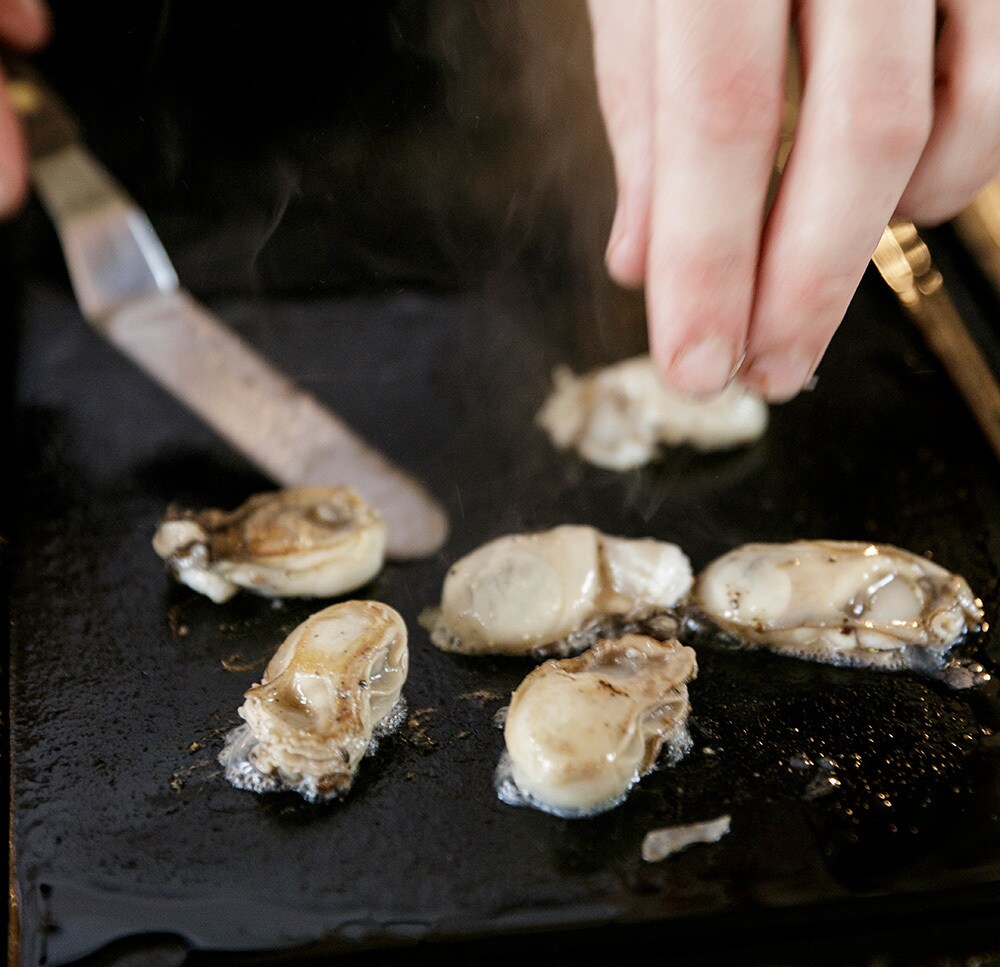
(904, 261)
(979, 228)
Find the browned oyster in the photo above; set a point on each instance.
(303, 542)
(619, 416)
(841, 602)
(580, 732)
(331, 688)
(551, 592)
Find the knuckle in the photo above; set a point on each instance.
(886, 117)
(735, 105)
(705, 272)
(701, 288)
(975, 94)
(821, 296)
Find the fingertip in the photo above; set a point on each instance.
(698, 308)
(701, 365)
(931, 210)
(26, 24)
(625, 257)
(780, 374)
(625, 265)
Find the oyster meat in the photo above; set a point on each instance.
(619, 416)
(302, 542)
(554, 592)
(841, 602)
(331, 689)
(580, 732)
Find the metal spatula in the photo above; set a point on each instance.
(128, 289)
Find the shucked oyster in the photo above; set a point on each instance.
(332, 686)
(617, 417)
(304, 542)
(553, 592)
(580, 732)
(841, 602)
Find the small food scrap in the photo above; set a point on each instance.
(580, 732)
(306, 542)
(839, 602)
(237, 663)
(331, 690)
(618, 417)
(416, 729)
(177, 627)
(482, 696)
(658, 844)
(554, 592)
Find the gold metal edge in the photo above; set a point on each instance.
(978, 226)
(904, 261)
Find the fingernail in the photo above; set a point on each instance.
(781, 375)
(704, 367)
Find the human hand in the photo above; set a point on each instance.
(23, 24)
(891, 121)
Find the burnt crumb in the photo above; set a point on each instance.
(177, 628)
(179, 777)
(416, 726)
(481, 697)
(237, 663)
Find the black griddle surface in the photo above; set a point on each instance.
(120, 694)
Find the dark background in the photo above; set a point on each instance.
(327, 147)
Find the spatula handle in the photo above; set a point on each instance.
(47, 122)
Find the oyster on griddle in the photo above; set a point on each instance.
(580, 732)
(840, 602)
(618, 417)
(331, 688)
(302, 542)
(554, 592)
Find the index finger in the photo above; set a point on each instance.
(719, 92)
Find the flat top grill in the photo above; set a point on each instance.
(124, 683)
